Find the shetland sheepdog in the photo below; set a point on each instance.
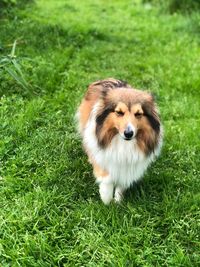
(121, 132)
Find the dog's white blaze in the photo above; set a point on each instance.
(123, 160)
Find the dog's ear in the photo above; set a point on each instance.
(154, 97)
(150, 96)
(107, 85)
(104, 92)
(99, 88)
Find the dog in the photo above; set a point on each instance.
(121, 132)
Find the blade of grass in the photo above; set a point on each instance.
(12, 54)
(18, 68)
(18, 78)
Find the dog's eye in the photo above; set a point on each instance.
(138, 115)
(119, 113)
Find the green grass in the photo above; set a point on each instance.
(51, 214)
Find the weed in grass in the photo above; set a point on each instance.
(11, 66)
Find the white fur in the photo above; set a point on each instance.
(122, 159)
(118, 194)
(106, 190)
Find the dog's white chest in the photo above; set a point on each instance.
(123, 160)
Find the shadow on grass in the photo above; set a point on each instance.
(7, 7)
(46, 52)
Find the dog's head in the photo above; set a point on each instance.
(129, 113)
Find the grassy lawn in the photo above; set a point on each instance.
(51, 213)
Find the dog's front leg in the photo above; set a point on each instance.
(106, 186)
(118, 194)
(106, 192)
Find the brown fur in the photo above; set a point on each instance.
(98, 171)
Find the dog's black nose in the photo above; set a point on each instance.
(128, 133)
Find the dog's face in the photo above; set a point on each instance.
(127, 120)
(131, 114)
